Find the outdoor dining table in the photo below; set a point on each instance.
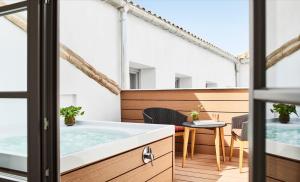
(217, 126)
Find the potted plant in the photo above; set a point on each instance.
(194, 115)
(69, 113)
(284, 111)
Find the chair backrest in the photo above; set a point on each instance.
(238, 121)
(164, 116)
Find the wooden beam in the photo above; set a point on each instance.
(285, 50)
(73, 58)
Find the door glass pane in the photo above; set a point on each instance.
(13, 111)
(13, 134)
(282, 43)
(283, 126)
(13, 48)
(283, 141)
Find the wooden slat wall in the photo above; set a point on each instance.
(281, 169)
(226, 102)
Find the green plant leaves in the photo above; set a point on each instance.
(284, 109)
(71, 111)
(194, 113)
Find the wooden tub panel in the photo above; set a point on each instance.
(146, 172)
(282, 169)
(163, 177)
(115, 166)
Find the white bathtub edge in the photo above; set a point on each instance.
(282, 149)
(86, 157)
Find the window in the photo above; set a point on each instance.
(183, 81)
(135, 78)
(177, 82)
(211, 84)
(141, 76)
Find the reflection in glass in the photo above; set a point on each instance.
(13, 134)
(283, 130)
(282, 40)
(13, 48)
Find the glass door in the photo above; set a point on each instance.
(27, 117)
(14, 91)
(275, 91)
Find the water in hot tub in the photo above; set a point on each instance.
(284, 133)
(71, 140)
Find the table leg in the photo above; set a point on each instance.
(241, 155)
(222, 143)
(217, 147)
(185, 143)
(193, 142)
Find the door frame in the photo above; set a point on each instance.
(50, 90)
(259, 93)
(42, 88)
(257, 82)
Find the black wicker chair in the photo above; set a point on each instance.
(239, 133)
(165, 116)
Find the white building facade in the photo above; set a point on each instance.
(243, 70)
(140, 50)
(137, 50)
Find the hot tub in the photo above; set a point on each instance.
(283, 139)
(86, 142)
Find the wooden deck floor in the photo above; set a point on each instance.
(203, 168)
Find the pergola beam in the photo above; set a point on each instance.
(285, 50)
(73, 58)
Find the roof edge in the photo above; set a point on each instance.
(156, 20)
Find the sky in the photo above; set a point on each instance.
(224, 23)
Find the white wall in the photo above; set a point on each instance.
(244, 74)
(164, 52)
(186, 82)
(170, 54)
(283, 25)
(148, 78)
(91, 28)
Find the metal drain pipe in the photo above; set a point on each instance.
(124, 53)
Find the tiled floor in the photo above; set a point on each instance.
(203, 168)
